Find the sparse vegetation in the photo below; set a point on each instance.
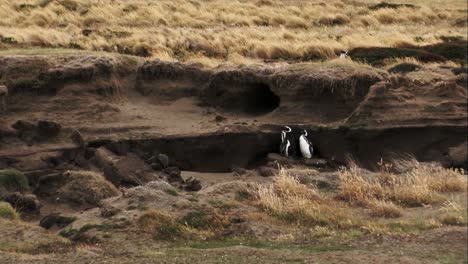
(210, 220)
(171, 192)
(13, 180)
(161, 225)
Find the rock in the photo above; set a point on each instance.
(220, 118)
(277, 157)
(36, 132)
(458, 156)
(265, 171)
(122, 170)
(77, 138)
(174, 174)
(109, 211)
(24, 202)
(238, 171)
(23, 126)
(48, 129)
(192, 185)
(318, 163)
(56, 219)
(164, 160)
(156, 166)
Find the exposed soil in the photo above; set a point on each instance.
(141, 123)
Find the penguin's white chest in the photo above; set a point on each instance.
(304, 147)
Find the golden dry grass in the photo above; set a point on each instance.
(419, 184)
(295, 203)
(383, 194)
(217, 31)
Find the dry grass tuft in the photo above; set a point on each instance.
(86, 187)
(420, 184)
(385, 209)
(293, 202)
(8, 212)
(161, 225)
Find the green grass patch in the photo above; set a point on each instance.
(171, 192)
(13, 180)
(212, 244)
(205, 220)
(8, 212)
(243, 195)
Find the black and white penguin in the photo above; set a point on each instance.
(285, 147)
(343, 54)
(307, 150)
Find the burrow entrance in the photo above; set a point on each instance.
(252, 98)
(259, 99)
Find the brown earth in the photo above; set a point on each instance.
(120, 117)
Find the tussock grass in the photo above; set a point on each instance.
(8, 212)
(419, 184)
(161, 225)
(385, 209)
(293, 202)
(13, 180)
(236, 31)
(208, 220)
(86, 187)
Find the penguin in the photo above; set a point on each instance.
(285, 147)
(305, 146)
(343, 54)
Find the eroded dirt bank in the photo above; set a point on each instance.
(105, 142)
(217, 119)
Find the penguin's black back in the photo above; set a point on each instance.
(293, 138)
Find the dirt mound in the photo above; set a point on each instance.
(402, 101)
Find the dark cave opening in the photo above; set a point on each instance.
(259, 99)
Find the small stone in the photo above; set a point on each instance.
(77, 138)
(156, 166)
(109, 211)
(173, 173)
(237, 171)
(318, 163)
(56, 219)
(192, 185)
(219, 118)
(265, 171)
(48, 129)
(276, 156)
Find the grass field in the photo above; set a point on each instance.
(239, 31)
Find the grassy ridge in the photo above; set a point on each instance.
(236, 31)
